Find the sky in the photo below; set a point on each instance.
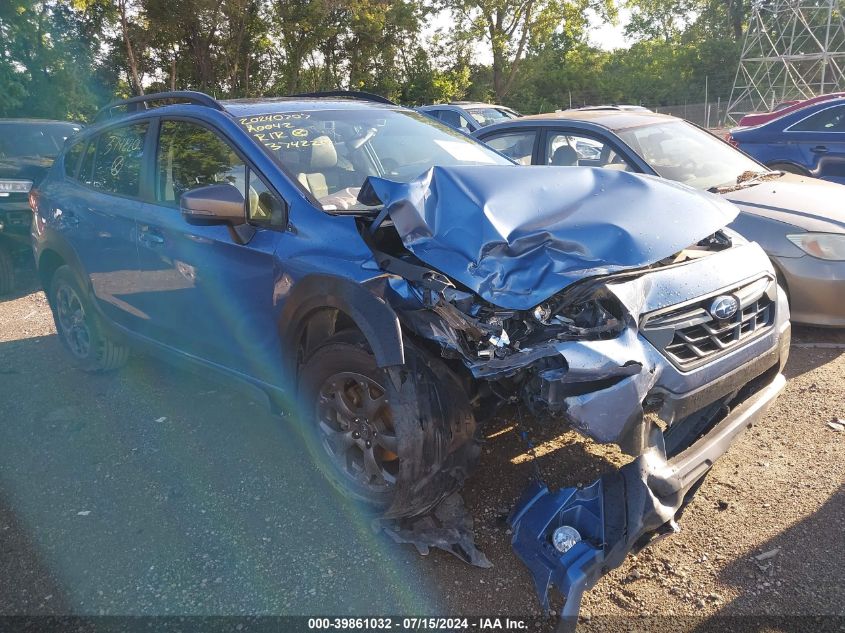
(610, 36)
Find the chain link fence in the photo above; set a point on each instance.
(712, 115)
(709, 115)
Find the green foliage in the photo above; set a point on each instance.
(66, 58)
(651, 73)
(48, 59)
(512, 28)
(690, 20)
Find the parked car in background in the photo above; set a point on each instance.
(799, 221)
(27, 149)
(618, 107)
(469, 116)
(759, 118)
(391, 282)
(808, 142)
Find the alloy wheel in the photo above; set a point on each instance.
(356, 430)
(71, 317)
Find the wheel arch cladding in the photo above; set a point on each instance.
(375, 319)
(439, 438)
(48, 263)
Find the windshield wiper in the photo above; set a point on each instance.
(368, 212)
(747, 179)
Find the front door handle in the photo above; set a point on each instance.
(819, 149)
(151, 239)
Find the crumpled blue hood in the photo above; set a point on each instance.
(516, 236)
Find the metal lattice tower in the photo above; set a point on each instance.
(794, 49)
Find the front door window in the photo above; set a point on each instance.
(571, 149)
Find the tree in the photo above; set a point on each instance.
(512, 27)
(218, 46)
(689, 19)
(303, 27)
(435, 71)
(360, 44)
(123, 9)
(49, 59)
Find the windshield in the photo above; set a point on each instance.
(488, 116)
(679, 151)
(38, 140)
(332, 152)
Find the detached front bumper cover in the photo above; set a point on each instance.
(622, 511)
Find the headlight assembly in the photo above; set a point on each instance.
(590, 312)
(829, 246)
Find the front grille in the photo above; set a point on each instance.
(16, 218)
(14, 197)
(691, 336)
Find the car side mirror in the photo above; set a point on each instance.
(214, 204)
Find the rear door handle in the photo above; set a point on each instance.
(819, 149)
(150, 238)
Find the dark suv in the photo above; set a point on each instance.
(27, 149)
(391, 282)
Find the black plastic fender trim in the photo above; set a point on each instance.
(371, 314)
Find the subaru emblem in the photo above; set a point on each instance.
(724, 307)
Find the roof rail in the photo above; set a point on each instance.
(134, 104)
(351, 94)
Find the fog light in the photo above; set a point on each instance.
(564, 538)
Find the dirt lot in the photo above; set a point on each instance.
(156, 491)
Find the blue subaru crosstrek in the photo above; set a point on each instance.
(389, 283)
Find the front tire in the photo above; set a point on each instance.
(79, 327)
(398, 460)
(344, 397)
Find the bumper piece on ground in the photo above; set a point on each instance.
(622, 512)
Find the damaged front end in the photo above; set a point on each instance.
(561, 295)
(620, 513)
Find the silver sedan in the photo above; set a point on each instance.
(799, 222)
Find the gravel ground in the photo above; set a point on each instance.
(156, 491)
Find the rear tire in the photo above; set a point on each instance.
(80, 328)
(7, 271)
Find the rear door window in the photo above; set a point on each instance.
(570, 149)
(456, 120)
(71, 159)
(118, 160)
(518, 146)
(829, 120)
